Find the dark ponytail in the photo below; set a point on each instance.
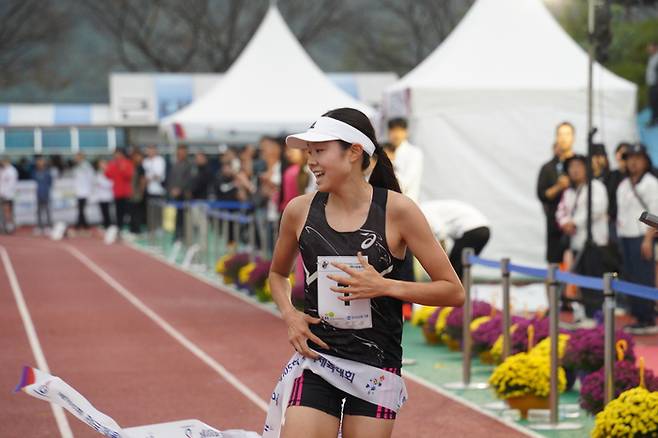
(382, 174)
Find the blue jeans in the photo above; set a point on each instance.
(639, 270)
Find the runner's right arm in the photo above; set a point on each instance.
(285, 253)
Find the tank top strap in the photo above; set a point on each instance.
(320, 200)
(380, 196)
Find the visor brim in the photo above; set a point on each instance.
(299, 141)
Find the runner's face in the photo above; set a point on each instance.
(329, 163)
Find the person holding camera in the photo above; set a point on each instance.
(551, 183)
(638, 192)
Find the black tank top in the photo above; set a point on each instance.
(379, 346)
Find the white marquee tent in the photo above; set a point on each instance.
(484, 106)
(274, 87)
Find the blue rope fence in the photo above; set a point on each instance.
(624, 287)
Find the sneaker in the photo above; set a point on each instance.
(586, 323)
(641, 328)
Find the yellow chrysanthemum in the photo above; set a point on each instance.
(477, 322)
(245, 271)
(544, 347)
(525, 373)
(442, 320)
(421, 314)
(497, 348)
(220, 266)
(634, 412)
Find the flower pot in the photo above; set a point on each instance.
(525, 402)
(430, 335)
(454, 344)
(486, 358)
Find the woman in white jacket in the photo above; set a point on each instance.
(8, 179)
(571, 216)
(102, 192)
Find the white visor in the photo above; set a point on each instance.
(327, 129)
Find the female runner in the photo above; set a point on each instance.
(349, 216)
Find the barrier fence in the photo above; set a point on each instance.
(609, 284)
(202, 231)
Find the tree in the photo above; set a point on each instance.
(29, 32)
(199, 35)
(398, 34)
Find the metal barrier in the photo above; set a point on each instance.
(208, 230)
(609, 284)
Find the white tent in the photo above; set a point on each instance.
(484, 106)
(273, 87)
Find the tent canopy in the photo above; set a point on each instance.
(484, 107)
(273, 87)
(509, 44)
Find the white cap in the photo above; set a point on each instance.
(327, 129)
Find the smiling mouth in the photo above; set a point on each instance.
(318, 174)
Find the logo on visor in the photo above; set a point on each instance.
(312, 126)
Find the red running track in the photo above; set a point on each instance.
(129, 367)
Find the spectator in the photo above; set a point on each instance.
(571, 216)
(83, 177)
(270, 185)
(652, 82)
(297, 178)
(638, 192)
(138, 192)
(459, 222)
(202, 177)
(600, 164)
(120, 172)
(407, 159)
(155, 171)
(177, 185)
(25, 169)
(407, 163)
(102, 192)
(44, 180)
(8, 180)
(225, 187)
(614, 179)
(552, 181)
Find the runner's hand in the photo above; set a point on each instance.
(360, 284)
(299, 333)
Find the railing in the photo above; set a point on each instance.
(608, 285)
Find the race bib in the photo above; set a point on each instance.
(354, 314)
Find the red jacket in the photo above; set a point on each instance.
(120, 172)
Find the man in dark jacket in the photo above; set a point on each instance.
(177, 185)
(44, 180)
(551, 183)
(202, 177)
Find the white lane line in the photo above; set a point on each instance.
(169, 329)
(60, 417)
(407, 374)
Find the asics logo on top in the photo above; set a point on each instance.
(370, 240)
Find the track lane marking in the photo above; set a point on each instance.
(60, 417)
(168, 328)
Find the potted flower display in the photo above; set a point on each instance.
(523, 381)
(453, 328)
(486, 334)
(632, 414)
(626, 376)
